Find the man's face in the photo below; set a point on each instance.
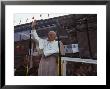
(51, 36)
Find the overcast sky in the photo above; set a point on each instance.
(22, 18)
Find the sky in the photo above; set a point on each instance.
(22, 18)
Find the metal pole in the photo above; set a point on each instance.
(30, 49)
(59, 63)
(88, 38)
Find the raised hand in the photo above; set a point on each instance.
(34, 23)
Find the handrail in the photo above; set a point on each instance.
(91, 61)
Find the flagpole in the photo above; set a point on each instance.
(30, 49)
(59, 58)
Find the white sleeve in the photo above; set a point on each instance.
(41, 43)
(37, 38)
(35, 35)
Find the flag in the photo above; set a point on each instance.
(33, 17)
(26, 19)
(40, 15)
(48, 15)
(20, 22)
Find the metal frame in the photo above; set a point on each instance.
(4, 3)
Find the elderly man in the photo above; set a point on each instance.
(50, 48)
